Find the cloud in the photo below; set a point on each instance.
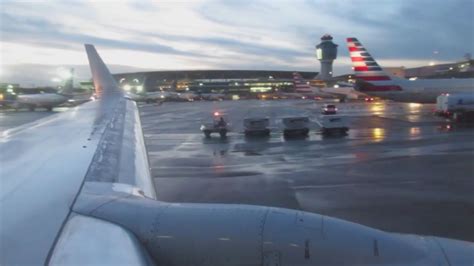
(243, 34)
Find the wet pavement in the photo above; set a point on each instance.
(399, 168)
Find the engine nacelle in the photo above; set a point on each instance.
(226, 234)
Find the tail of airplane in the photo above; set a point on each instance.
(368, 70)
(301, 86)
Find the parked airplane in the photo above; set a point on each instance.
(153, 96)
(47, 98)
(212, 96)
(159, 96)
(188, 96)
(342, 91)
(375, 81)
(76, 190)
(304, 89)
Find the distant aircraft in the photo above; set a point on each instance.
(188, 96)
(304, 89)
(148, 97)
(159, 96)
(76, 190)
(375, 81)
(44, 98)
(212, 96)
(342, 91)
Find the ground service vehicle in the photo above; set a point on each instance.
(256, 126)
(329, 109)
(333, 124)
(459, 106)
(216, 126)
(297, 125)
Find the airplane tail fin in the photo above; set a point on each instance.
(104, 82)
(300, 83)
(368, 70)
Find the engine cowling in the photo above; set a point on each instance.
(226, 234)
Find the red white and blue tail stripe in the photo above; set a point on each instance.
(367, 69)
(301, 86)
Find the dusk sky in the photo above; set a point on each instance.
(38, 37)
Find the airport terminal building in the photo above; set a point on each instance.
(239, 82)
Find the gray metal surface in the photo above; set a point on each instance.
(121, 156)
(42, 168)
(89, 241)
(229, 234)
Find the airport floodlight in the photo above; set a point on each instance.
(127, 87)
(64, 74)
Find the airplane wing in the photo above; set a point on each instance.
(43, 166)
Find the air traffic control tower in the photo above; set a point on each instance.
(326, 52)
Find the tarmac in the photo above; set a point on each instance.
(399, 169)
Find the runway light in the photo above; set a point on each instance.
(216, 113)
